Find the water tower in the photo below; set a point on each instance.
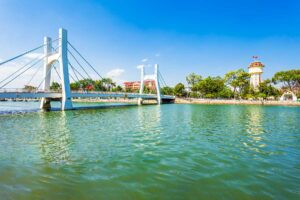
(255, 71)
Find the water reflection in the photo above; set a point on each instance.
(55, 139)
(254, 128)
(149, 126)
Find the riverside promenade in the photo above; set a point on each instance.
(236, 102)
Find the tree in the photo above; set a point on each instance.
(213, 87)
(167, 90)
(266, 89)
(192, 79)
(238, 80)
(108, 83)
(117, 89)
(98, 85)
(290, 79)
(179, 90)
(75, 86)
(29, 88)
(55, 86)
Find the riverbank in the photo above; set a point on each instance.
(182, 101)
(235, 102)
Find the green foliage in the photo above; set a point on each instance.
(237, 84)
(238, 80)
(179, 90)
(29, 88)
(55, 86)
(194, 94)
(117, 89)
(213, 87)
(267, 89)
(290, 79)
(75, 86)
(193, 79)
(105, 84)
(167, 90)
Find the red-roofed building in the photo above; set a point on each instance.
(134, 86)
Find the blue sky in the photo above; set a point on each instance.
(205, 37)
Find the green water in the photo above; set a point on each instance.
(152, 152)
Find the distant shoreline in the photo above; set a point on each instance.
(189, 101)
(202, 101)
(235, 102)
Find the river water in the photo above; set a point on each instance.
(150, 152)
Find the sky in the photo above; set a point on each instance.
(209, 38)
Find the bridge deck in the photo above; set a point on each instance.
(30, 95)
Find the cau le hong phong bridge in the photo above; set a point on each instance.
(60, 59)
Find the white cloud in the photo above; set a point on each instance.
(115, 73)
(34, 55)
(145, 60)
(139, 66)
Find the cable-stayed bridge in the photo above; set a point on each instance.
(61, 60)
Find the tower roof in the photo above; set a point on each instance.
(256, 64)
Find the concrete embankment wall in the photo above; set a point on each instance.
(235, 102)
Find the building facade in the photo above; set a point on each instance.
(134, 86)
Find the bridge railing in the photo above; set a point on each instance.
(25, 90)
(107, 92)
(19, 90)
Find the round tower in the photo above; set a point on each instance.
(255, 71)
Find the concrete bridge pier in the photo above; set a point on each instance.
(46, 104)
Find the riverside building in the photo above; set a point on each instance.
(255, 71)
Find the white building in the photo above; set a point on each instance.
(256, 70)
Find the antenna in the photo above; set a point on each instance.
(255, 58)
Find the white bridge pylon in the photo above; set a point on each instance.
(62, 57)
(154, 77)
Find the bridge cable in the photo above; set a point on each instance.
(74, 73)
(57, 73)
(72, 78)
(162, 78)
(22, 54)
(35, 73)
(79, 64)
(76, 70)
(37, 58)
(11, 59)
(22, 72)
(47, 73)
(84, 59)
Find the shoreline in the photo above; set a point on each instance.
(236, 102)
(186, 101)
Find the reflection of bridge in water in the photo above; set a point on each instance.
(60, 55)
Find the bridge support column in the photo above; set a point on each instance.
(45, 103)
(140, 100)
(157, 84)
(66, 103)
